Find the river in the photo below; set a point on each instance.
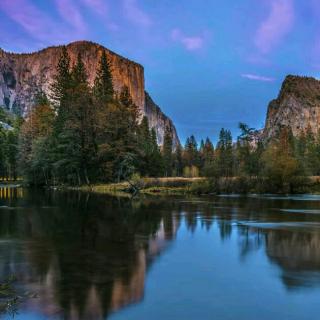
(88, 256)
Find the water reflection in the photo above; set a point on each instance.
(10, 193)
(86, 256)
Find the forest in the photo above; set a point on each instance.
(82, 135)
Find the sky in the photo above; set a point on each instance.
(208, 63)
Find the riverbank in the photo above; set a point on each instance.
(202, 186)
(10, 183)
(159, 186)
(195, 186)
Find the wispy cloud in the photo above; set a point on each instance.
(276, 26)
(25, 14)
(101, 9)
(191, 43)
(71, 14)
(98, 6)
(36, 23)
(135, 14)
(257, 77)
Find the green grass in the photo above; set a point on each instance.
(201, 186)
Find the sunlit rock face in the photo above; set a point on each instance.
(23, 75)
(297, 107)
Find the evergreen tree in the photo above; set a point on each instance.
(118, 138)
(62, 80)
(74, 145)
(146, 147)
(246, 160)
(2, 152)
(103, 84)
(81, 145)
(178, 161)
(208, 159)
(156, 163)
(131, 116)
(167, 152)
(280, 165)
(37, 127)
(11, 153)
(224, 153)
(191, 153)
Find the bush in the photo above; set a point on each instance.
(191, 172)
(204, 187)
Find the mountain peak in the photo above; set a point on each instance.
(296, 107)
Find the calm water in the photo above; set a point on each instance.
(81, 256)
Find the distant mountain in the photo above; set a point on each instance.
(23, 75)
(297, 107)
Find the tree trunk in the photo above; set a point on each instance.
(86, 176)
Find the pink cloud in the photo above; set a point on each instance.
(29, 17)
(276, 26)
(71, 14)
(257, 77)
(135, 14)
(98, 6)
(35, 22)
(190, 43)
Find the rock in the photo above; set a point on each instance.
(297, 107)
(159, 121)
(23, 75)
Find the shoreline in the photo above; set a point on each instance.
(167, 186)
(200, 186)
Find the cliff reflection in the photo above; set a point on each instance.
(86, 256)
(83, 256)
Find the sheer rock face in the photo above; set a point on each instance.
(22, 75)
(297, 107)
(159, 121)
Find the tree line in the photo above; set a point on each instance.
(281, 163)
(84, 135)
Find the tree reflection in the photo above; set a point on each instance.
(84, 256)
(87, 255)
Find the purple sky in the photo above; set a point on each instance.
(208, 63)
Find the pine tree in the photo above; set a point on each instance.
(130, 116)
(224, 153)
(80, 124)
(167, 152)
(245, 152)
(280, 165)
(149, 155)
(103, 84)
(145, 146)
(178, 161)
(207, 155)
(2, 152)
(74, 135)
(35, 163)
(191, 153)
(60, 88)
(62, 80)
(155, 161)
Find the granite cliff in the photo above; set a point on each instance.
(23, 75)
(297, 107)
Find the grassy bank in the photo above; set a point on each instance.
(199, 186)
(174, 185)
